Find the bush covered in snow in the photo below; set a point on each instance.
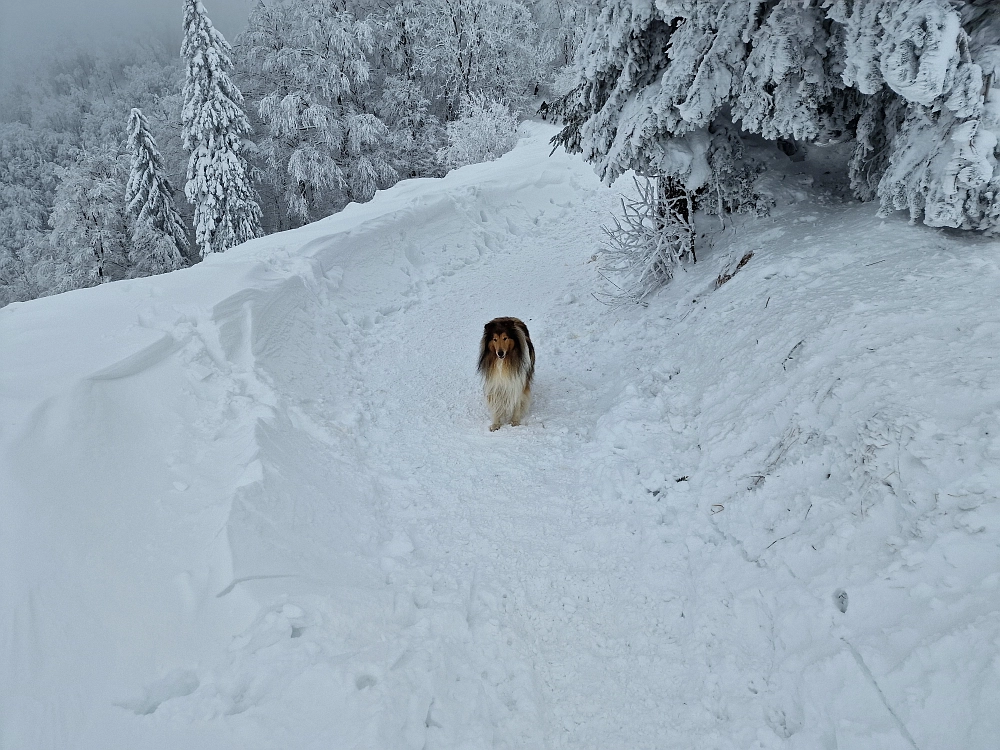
(486, 130)
(655, 230)
(645, 244)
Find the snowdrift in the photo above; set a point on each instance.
(255, 504)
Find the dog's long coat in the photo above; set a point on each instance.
(507, 365)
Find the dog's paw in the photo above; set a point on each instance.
(495, 427)
(515, 423)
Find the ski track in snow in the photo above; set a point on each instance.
(308, 538)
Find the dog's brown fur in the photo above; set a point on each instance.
(507, 365)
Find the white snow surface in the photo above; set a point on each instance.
(255, 503)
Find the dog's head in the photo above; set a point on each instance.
(501, 343)
(501, 340)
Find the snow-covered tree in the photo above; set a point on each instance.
(158, 236)
(215, 130)
(77, 103)
(88, 221)
(28, 180)
(323, 146)
(914, 82)
(560, 24)
(930, 125)
(484, 131)
(355, 94)
(415, 133)
(486, 46)
(411, 100)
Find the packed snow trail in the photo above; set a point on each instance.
(256, 503)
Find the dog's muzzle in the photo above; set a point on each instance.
(501, 355)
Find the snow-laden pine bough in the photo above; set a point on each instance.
(914, 85)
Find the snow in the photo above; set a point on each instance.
(255, 503)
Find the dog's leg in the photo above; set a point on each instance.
(496, 411)
(499, 418)
(522, 407)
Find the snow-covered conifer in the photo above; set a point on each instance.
(935, 68)
(913, 81)
(158, 236)
(323, 145)
(215, 130)
(791, 87)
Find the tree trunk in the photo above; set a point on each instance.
(673, 207)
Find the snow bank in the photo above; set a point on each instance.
(255, 503)
(140, 438)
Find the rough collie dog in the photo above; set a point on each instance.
(507, 364)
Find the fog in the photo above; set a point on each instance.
(33, 30)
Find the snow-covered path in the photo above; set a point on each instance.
(531, 522)
(256, 503)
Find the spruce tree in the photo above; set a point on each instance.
(915, 83)
(215, 130)
(158, 236)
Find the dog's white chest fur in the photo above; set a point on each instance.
(505, 394)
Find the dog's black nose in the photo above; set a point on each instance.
(501, 355)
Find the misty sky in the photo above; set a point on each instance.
(30, 30)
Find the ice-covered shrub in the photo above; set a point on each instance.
(485, 130)
(647, 242)
(654, 232)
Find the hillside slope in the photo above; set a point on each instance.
(255, 503)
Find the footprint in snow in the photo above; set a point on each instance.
(177, 684)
